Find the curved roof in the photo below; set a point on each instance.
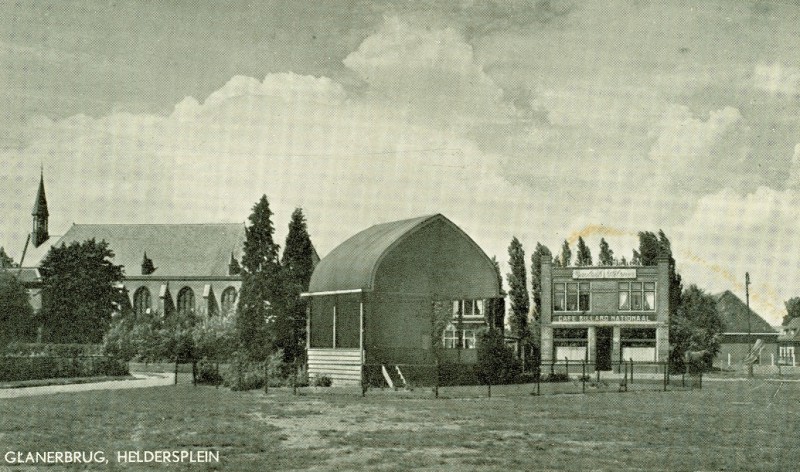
(352, 264)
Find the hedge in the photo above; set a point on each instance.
(15, 368)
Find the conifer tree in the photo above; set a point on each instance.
(606, 254)
(260, 285)
(584, 255)
(297, 265)
(147, 265)
(637, 258)
(566, 254)
(517, 289)
(536, 275)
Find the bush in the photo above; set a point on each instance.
(207, 373)
(556, 377)
(496, 361)
(322, 381)
(243, 374)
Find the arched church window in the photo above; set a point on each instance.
(228, 300)
(141, 301)
(185, 301)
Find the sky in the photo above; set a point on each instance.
(544, 120)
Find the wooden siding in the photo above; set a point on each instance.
(343, 366)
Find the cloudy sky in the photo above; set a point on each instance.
(541, 120)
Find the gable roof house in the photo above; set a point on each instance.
(741, 328)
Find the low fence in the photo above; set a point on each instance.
(18, 368)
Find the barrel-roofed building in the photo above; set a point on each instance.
(374, 298)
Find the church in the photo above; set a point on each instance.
(168, 267)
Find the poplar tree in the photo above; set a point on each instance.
(496, 309)
(584, 255)
(566, 254)
(517, 289)
(606, 254)
(260, 285)
(536, 275)
(649, 247)
(297, 265)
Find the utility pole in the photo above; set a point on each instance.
(749, 336)
(747, 297)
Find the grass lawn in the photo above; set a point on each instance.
(729, 425)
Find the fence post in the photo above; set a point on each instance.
(566, 367)
(583, 377)
(194, 373)
(266, 375)
(625, 378)
(538, 379)
(294, 378)
(552, 367)
(665, 376)
(436, 384)
(631, 360)
(701, 380)
(217, 379)
(176, 370)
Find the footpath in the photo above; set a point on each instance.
(141, 381)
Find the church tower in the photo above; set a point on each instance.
(39, 234)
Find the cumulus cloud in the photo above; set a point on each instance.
(350, 159)
(777, 79)
(681, 138)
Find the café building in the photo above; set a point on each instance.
(604, 315)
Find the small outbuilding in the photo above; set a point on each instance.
(374, 298)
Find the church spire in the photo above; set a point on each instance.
(40, 214)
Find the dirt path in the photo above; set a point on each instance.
(142, 381)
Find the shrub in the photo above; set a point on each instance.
(496, 362)
(207, 373)
(556, 377)
(322, 381)
(243, 374)
(14, 368)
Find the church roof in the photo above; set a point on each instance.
(352, 264)
(734, 314)
(190, 250)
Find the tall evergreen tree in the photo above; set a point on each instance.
(79, 292)
(636, 259)
(566, 254)
(606, 254)
(518, 289)
(536, 275)
(260, 285)
(297, 265)
(584, 255)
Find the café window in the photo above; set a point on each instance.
(571, 296)
(637, 296)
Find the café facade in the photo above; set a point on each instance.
(605, 315)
